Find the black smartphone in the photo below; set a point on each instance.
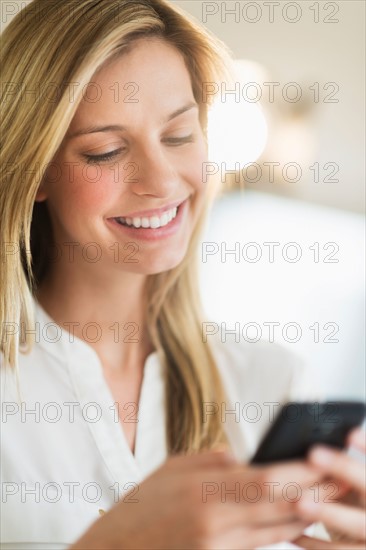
(299, 426)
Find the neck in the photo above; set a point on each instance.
(110, 310)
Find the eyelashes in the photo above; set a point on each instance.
(107, 157)
(179, 141)
(96, 159)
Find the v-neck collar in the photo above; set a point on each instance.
(97, 403)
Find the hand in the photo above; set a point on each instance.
(346, 520)
(205, 501)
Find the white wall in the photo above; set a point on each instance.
(317, 301)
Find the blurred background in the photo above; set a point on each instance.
(288, 145)
(282, 257)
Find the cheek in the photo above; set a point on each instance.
(194, 168)
(86, 189)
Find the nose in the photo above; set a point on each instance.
(155, 173)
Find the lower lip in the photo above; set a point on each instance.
(148, 234)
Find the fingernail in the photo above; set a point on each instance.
(321, 456)
(359, 436)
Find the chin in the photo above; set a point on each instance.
(155, 265)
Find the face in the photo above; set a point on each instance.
(128, 175)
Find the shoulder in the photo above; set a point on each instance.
(258, 378)
(260, 370)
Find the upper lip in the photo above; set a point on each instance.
(154, 212)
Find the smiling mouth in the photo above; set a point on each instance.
(151, 222)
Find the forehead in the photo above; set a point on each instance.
(151, 78)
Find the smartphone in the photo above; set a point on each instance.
(299, 426)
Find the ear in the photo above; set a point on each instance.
(41, 192)
(41, 195)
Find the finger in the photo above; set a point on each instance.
(259, 514)
(330, 490)
(357, 438)
(317, 544)
(280, 481)
(245, 500)
(350, 521)
(229, 516)
(270, 514)
(271, 484)
(277, 533)
(247, 485)
(339, 465)
(243, 538)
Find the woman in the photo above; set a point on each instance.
(102, 204)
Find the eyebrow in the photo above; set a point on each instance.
(118, 127)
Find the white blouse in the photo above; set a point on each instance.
(64, 455)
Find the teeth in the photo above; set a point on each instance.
(154, 222)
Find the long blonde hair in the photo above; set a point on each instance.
(47, 47)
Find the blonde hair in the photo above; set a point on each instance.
(48, 46)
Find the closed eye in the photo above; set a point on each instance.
(174, 141)
(95, 159)
(179, 141)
